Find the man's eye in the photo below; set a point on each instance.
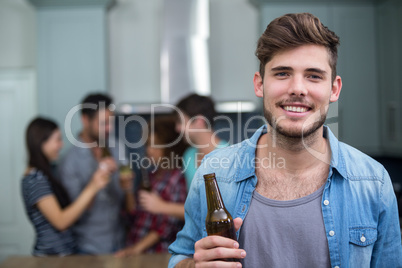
(281, 74)
(315, 77)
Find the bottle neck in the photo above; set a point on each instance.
(214, 198)
(106, 152)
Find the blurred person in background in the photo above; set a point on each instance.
(47, 203)
(153, 233)
(100, 230)
(195, 121)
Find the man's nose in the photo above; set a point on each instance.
(298, 86)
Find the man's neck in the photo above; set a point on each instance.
(85, 137)
(297, 172)
(96, 150)
(296, 153)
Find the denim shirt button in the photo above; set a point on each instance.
(331, 233)
(244, 208)
(336, 267)
(362, 239)
(326, 202)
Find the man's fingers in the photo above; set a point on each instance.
(214, 241)
(217, 247)
(237, 223)
(219, 253)
(220, 264)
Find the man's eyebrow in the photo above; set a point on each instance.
(281, 68)
(316, 70)
(288, 68)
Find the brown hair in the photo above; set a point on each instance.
(294, 30)
(38, 132)
(197, 105)
(97, 100)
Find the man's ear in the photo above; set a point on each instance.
(336, 89)
(258, 85)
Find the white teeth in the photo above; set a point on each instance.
(296, 109)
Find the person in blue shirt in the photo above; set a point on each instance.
(298, 196)
(195, 121)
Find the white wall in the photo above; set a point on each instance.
(17, 95)
(17, 33)
(72, 60)
(18, 104)
(234, 33)
(134, 42)
(135, 30)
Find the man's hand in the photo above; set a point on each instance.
(110, 164)
(100, 178)
(211, 250)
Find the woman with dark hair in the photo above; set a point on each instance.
(149, 232)
(46, 202)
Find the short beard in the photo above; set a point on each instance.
(294, 139)
(95, 137)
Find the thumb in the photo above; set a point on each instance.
(237, 223)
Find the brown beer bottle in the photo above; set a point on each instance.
(218, 220)
(106, 152)
(145, 181)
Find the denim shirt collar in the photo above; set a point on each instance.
(337, 159)
(248, 147)
(247, 153)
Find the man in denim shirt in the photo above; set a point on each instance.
(300, 198)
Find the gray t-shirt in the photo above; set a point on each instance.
(285, 234)
(100, 229)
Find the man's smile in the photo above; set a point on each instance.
(296, 109)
